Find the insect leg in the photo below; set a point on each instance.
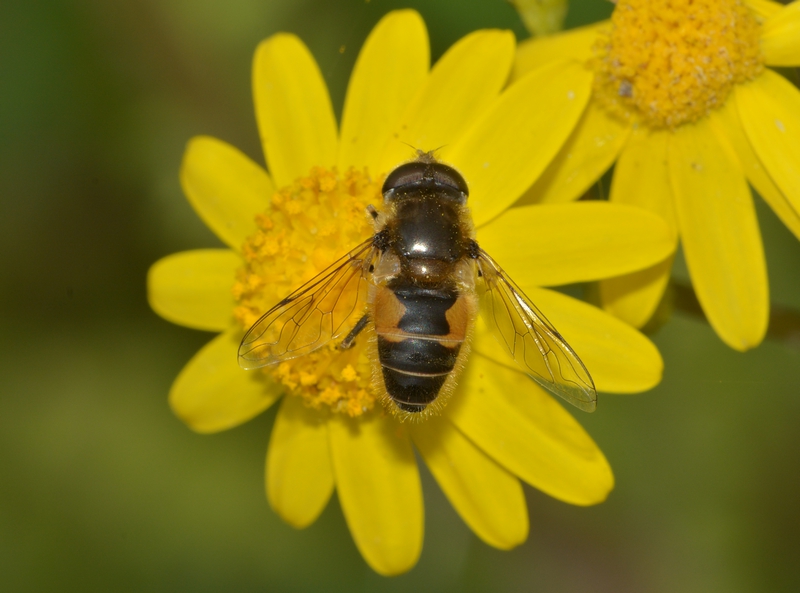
(357, 329)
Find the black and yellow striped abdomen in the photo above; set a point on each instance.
(420, 332)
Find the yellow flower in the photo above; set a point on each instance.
(683, 103)
(285, 226)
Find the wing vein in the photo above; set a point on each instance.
(531, 340)
(313, 314)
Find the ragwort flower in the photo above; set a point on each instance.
(683, 103)
(285, 226)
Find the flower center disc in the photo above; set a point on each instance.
(669, 62)
(309, 225)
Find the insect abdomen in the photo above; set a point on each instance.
(420, 333)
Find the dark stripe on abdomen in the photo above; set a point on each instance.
(415, 370)
(417, 356)
(425, 310)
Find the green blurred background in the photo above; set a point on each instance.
(102, 489)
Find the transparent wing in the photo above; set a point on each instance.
(319, 311)
(531, 340)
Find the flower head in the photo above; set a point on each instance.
(658, 66)
(685, 104)
(285, 226)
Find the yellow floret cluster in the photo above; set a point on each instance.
(669, 62)
(308, 226)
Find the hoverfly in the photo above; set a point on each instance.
(414, 288)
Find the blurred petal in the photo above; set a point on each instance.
(542, 17)
(379, 488)
(728, 127)
(397, 54)
(293, 109)
(780, 37)
(763, 8)
(720, 235)
(641, 178)
(299, 472)
(193, 288)
(556, 244)
(589, 152)
(225, 188)
(574, 44)
(488, 498)
(769, 108)
(514, 141)
(462, 84)
(518, 424)
(619, 358)
(212, 393)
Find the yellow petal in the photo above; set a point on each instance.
(634, 297)
(556, 244)
(299, 473)
(619, 358)
(769, 108)
(293, 109)
(462, 84)
(379, 489)
(512, 144)
(516, 423)
(780, 37)
(396, 54)
(488, 498)
(225, 188)
(193, 288)
(763, 8)
(728, 127)
(641, 178)
(720, 235)
(212, 393)
(641, 175)
(589, 152)
(574, 44)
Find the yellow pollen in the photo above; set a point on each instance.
(309, 225)
(669, 62)
(349, 373)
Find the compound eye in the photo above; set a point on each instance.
(407, 174)
(445, 175)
